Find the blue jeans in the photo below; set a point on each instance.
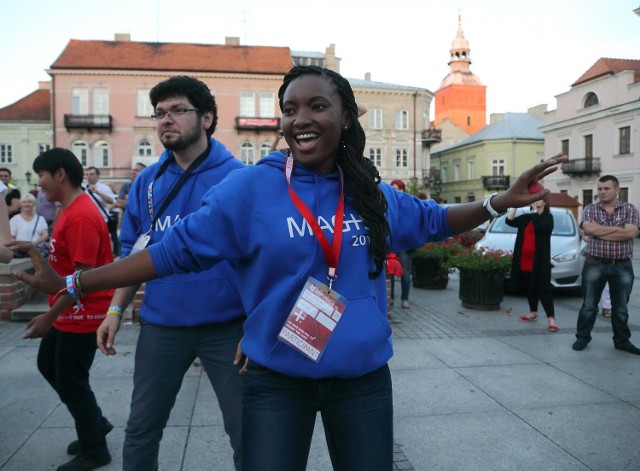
(280, 412)
(64, 359)
(405, 279)
(163, 356)
(594, 276)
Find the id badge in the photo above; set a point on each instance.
(141, 243)
(313, 319)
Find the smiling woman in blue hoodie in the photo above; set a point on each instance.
(309, 234)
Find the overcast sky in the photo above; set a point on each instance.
(525, 52)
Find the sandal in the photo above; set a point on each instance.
(553, 327)
(530, 317)
(606, 313)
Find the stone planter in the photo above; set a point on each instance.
(481, 291)
(428, 274)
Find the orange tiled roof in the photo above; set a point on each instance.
(607, 66)
(129, 55)
(34, 107)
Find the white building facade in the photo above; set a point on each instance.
(597, 124)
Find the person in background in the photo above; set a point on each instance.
(49, 210)
(405, 261)
(103, 197)
(605, 302)
(5, 233)
(12, 194)
(316, 338)
(531, 263)
(80, 241)
(611, 226)
(121, 201)
(28, 225)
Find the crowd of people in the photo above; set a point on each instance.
(273, 275)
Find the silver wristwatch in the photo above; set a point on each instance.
(487, 205)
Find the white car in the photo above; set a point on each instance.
(567, 258)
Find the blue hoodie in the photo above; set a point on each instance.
(192, 299)
(250, 218)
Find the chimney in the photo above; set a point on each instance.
(330, 58)
(538, 111)
(495, 117)
(367, 76)
(122, 37)
(44, 85)
(232, 41)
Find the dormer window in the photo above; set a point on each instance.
(591, 100)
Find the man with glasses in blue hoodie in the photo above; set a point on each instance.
(188, 316)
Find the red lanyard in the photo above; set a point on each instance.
(331, 253)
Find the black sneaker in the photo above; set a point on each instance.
(579, 345)
(74, 447)
(629, 347)
(85, 462)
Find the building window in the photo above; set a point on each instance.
(591, 100)
(375, 154)
(587, 197)
(80, 149)
(402, 119)
(145, 149)
(468, 120)
(497, 167)
(456, 172)
(457, 199)
(375, 118)
(143, 103)
(444, 175)
(624, 194)
(625, 140)
(267, 105)
(43, 148)
(247, 104)
(588, 146)
(100, 101)
(6, 154)
(565, 147)
(80, 101)
(471, 170)
(402, 158)
(265, 149)
(246, 153)
(101, 154)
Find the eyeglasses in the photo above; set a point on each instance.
(177, 113)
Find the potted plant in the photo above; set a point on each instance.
(481, 276)
(429, 264)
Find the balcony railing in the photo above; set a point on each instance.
(431, 179)
(496, 182)
(431, 136)
(582, 167)
(88, 121)
(257, 124)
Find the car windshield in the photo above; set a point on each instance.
(563, 225)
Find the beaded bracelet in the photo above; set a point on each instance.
(76, 282)
(115, 310)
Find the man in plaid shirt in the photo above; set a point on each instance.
(611, 226)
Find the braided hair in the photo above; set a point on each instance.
(361, 177)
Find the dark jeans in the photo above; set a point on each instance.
(594, 276)
(405, 279)
(537, 293)
(163, 356)
(279, 415)
(64, 359)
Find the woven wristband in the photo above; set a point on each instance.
(115, 310)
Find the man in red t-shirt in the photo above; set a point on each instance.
(80, 241)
